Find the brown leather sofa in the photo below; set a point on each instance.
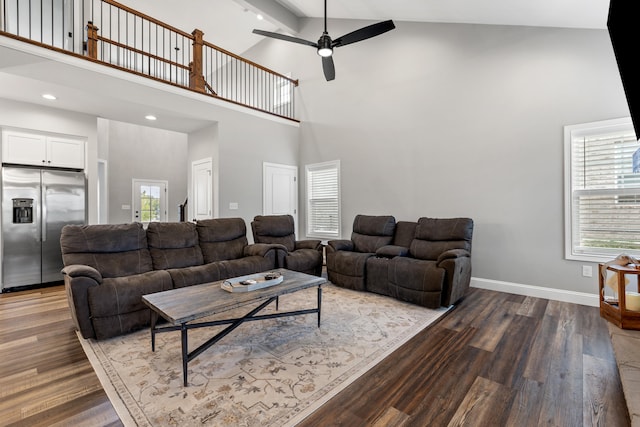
(109, 267)
(298, 255)
(427, 262)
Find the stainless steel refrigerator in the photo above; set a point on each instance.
(36, 204)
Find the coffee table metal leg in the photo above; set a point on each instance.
(185, 356)
(154, 320)
(319, 303)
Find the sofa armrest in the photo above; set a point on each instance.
(78, 270)
(309, 244)
(457, 276)
(340, 245)
(392, 251)
(78, 279)
(261, 249)
(453, 253)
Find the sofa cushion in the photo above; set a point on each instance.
(437, 235)
(347, 269)
(112, 303)
(246, 265)
(114, 250)
(275, 229)
(196, 275)
(377, 275)
(222, 238)
(174, 245)
(416, 281)
(404, 234)
(304, 260)
(372, 232)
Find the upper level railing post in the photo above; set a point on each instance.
(92, 40)
(196, 78)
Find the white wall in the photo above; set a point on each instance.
(142, 152)
(448, 120)
(239, 144)
(246, 142)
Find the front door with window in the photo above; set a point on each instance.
(149, 201)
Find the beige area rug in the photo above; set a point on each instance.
(265, 373)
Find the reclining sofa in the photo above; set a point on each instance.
(304, 256)
(109, 267)
(427, 262)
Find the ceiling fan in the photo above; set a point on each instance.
(325, 44)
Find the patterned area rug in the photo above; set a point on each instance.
(267, 373)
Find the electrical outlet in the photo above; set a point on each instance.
(587, 271)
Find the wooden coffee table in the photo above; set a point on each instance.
(182, 307)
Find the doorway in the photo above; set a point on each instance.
(202, 189)
(280, 190)
(149, 201)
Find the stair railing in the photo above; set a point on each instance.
(124, 38)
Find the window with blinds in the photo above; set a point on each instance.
(603, 209)
(323, 199)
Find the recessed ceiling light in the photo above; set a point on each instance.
(150, 117)
(260, 17)
(49, 96)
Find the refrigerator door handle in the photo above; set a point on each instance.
(43, 207)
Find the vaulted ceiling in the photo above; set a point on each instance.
(545, 13)
(229, 24)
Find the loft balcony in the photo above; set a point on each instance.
(122, 38)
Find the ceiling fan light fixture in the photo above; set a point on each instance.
(324, 46)
(325, 51)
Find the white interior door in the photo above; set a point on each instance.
(201, 205)
(280, 191)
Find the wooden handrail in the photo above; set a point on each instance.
(141, 52)
(148, 18)
(240, 58)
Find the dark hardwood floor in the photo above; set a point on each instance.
(496, 359)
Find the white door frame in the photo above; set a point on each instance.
(103, 191)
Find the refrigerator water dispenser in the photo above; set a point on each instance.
(22, 211)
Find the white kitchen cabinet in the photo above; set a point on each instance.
(42, 150)
(65, 153)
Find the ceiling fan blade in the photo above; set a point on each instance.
(286, 38)
(328, 68)
(364, 33)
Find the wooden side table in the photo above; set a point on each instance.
(615, 311)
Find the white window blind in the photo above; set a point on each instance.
(282, 91)
(323, 199)
(604, 205)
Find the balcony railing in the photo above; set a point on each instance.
(121, 37)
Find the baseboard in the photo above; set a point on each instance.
(581, 298)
